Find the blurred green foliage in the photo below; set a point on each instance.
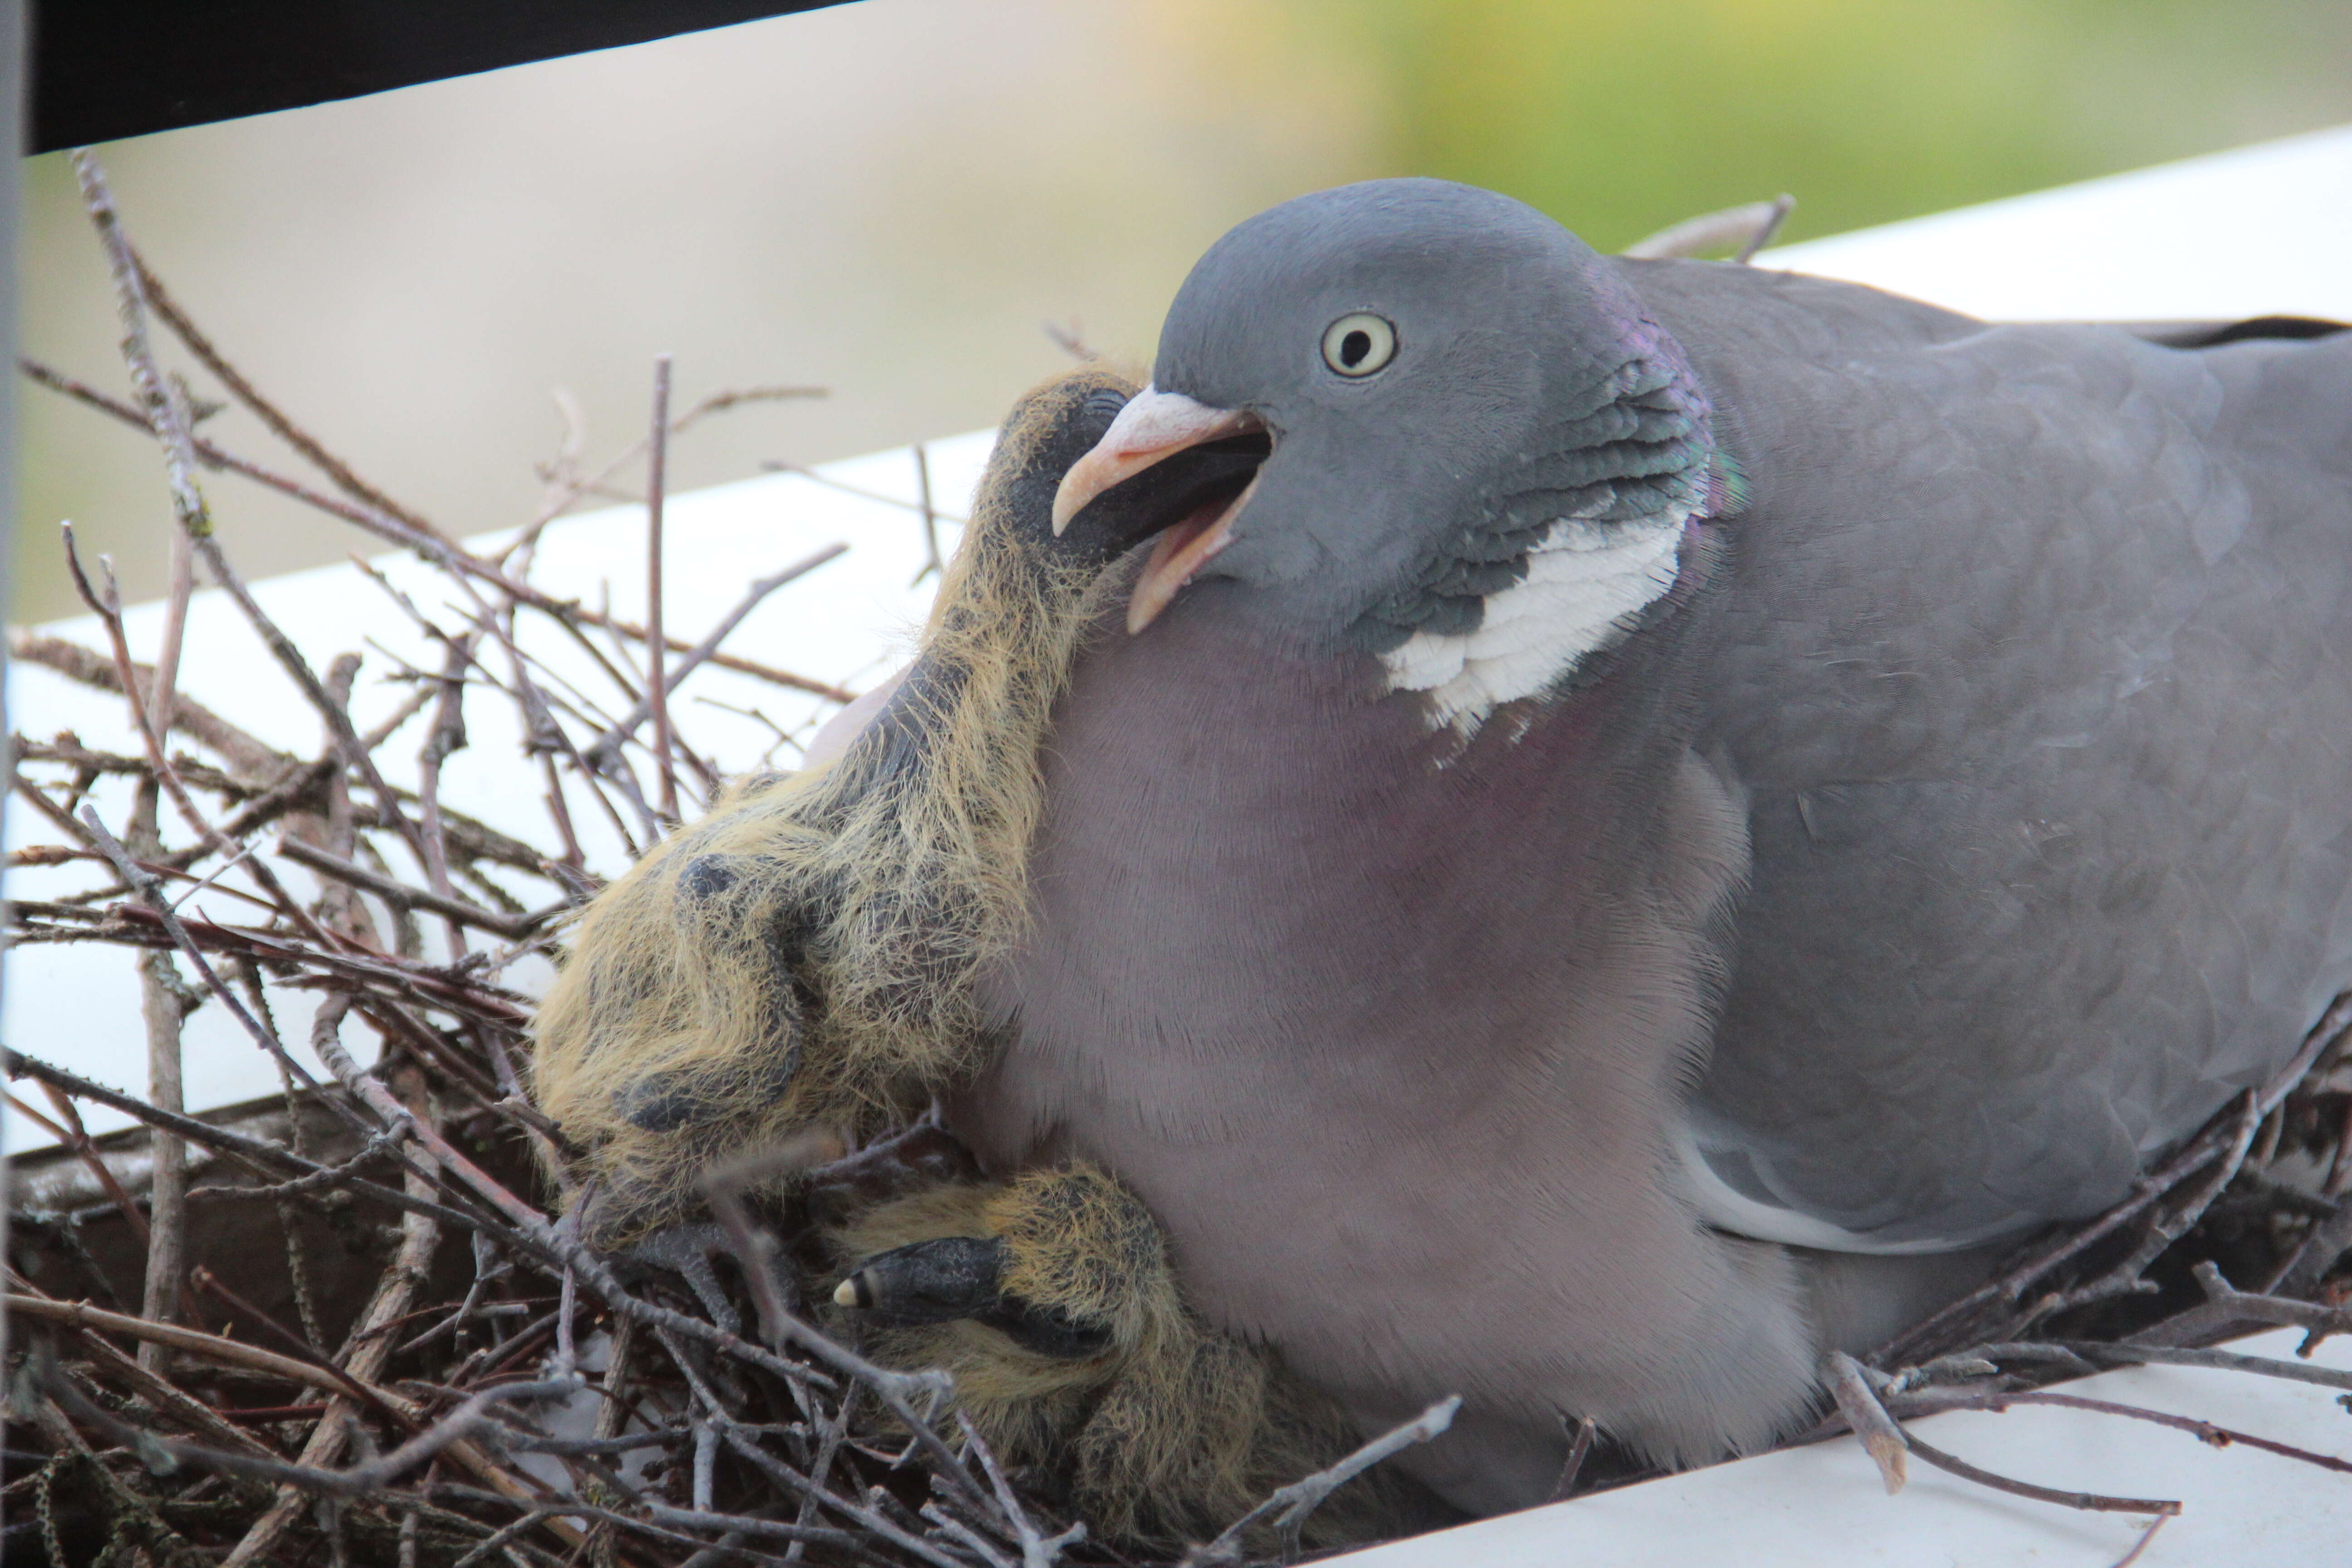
(1619, 116)
(886, 198)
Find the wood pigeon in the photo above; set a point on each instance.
(1640, 816)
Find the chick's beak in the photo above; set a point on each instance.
(1156, 425)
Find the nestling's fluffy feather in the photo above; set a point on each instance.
(802, 954)
(1172, 1432)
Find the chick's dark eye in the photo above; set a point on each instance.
(1359, 343)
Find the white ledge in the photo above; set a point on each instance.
(1823, 1506)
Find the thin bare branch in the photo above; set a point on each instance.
(932, 564)
(1291, 1507)
(2226, 1308)
(2092, 1503)
(2140, 1546)
(1580, 1448)
(2133, 1353)
(279, 422)
(656, 645)
(447, 737)
(1882, 1440)
(187, 500)
(151, 891)
(609, 743)
(2205, 1432)
(513, 928)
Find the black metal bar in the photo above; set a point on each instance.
(109, 68)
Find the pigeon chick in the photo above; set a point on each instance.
(802, 955)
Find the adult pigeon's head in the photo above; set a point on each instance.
(1416, 418)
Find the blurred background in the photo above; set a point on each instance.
(889, 198)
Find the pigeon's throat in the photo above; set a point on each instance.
(1182, 549)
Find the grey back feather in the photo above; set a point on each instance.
(2032, 667)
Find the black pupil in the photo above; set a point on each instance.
(1354, 347)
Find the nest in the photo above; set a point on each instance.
(346, 1324)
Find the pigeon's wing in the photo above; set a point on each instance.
(2036, 666)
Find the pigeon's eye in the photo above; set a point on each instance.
(1359, 344)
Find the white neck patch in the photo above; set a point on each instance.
(1586, 585)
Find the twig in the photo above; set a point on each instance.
(2132, 1354)
(76, 1137)
(568, 616)
(167, 417)
(151, 891)
(2205, 1432)
(2327, 1242)
(964, 1535)
(933, 565)
(107, 607)
(716, 402)
(462, 994)
(279, 422)
(164, 692)
(2339, 1169)
(1038, 1549)
(444, 1435)
(391, 530)
(253, 1151)
(2225, 1306)
(2092, 1503)
(735, 662)
(1289, 1507)
(871, 1518)
(370, 1346)
(656, 648)
(331, 1176)
(1580, 1448)
(497, 1541)
(2140, 1546)
(447, 737)
(2124, 1277)
(1071, 339)
(534, 1227)
(772, 1529)
(449, 907)
(190, 1341)
(298, 1259)
(1782, 205)
(609, 743)
(189, 717)
(756, 1254)
(1881, 1438)
(209, 1283)
(829, 482)
(187, 500)
(166, 1396)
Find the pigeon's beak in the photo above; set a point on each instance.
(1171, 467)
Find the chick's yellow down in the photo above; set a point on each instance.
(802, 956)
(1162, 1429)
